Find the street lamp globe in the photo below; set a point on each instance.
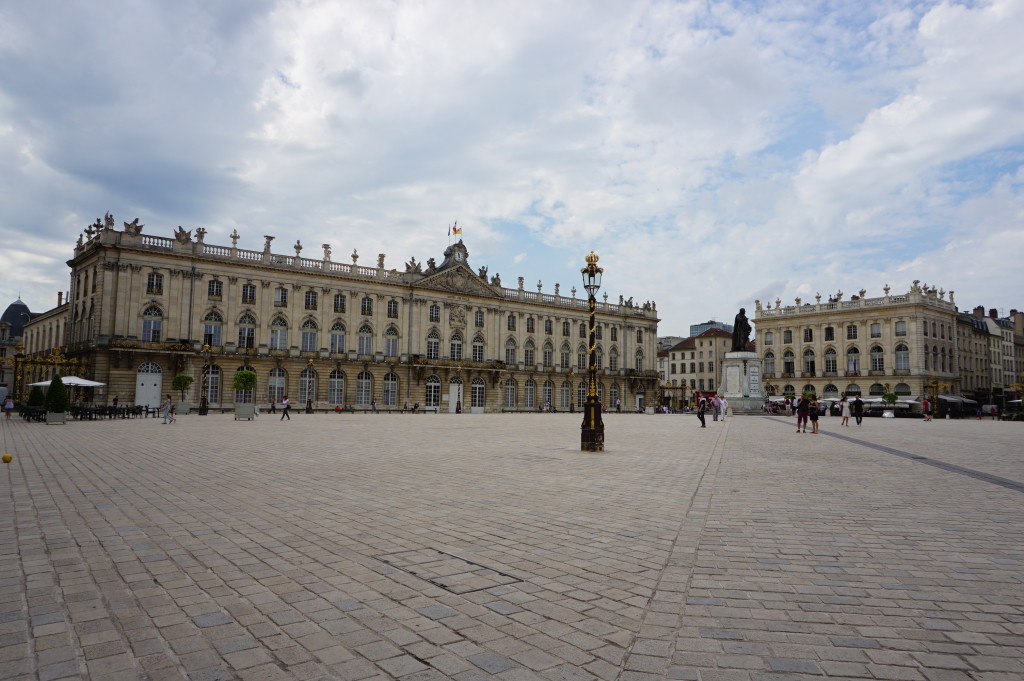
(592, 275)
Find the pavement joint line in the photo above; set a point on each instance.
(700, 501)
(935, 463)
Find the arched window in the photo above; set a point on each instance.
(245, 396)
(309, 336)
(213, 325)
(278, 334)
(853, 389)
(456, 346)
(831, 361)
(246, 331)
(852, 360)
(639, 360)
(477, 394)
(830, 391)
(613, 359)
(365, 341)
(876, 389)
(788, 390)
(529, 353)
(599, 358)
(613, 395)
(433, 345)
(788, 362)
(307, 385)
(581, 394)
(935, 358)
(548, 393)
(926, 357)
(336, 387)
(276, 385)
(581, 357)
(529, 394)
(877, 358)
(391, 342)
(211, 376)
(364, 387)
(942, 354)
(809, 390)
(510, 351)
(433, 396)
(564, 359)
(902, 389)
(510, 393)
(548, 356)
(478, 349)
(809, 361)
(337, 337)
(152, 324)
(566, 395)
(390, 389)
(150, 368)
(902, 358)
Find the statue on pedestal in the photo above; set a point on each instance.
(740, 332)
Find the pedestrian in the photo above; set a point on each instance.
(844, 410)
(171, 414)
(405, 407)
(618, 406)
(114, 403)
(167, 408)
(272, 410)
(813, 414)
(789, 406)
(716, 407)
(8, 406)
(802, 408)
(702, 406)
(926, 407)
(725, 408)
(285, 408)
(858, 409)
(373, 406)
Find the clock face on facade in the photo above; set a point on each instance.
(458, 256)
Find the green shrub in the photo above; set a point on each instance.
(36, 397)
(57, 400)
(244, 380)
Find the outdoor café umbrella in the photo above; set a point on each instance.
(74, 381)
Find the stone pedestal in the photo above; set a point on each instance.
(741, 381)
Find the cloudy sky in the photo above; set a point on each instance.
(712, 153)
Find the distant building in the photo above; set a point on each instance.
(698, 329)
(12, 325)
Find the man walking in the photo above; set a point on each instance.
(858, 409)
(286, 407)
(702, 406)
(716, 407)
(926, 407)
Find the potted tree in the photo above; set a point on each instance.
(891, 398)
(57, 401)
(181, 383)
(245, 380)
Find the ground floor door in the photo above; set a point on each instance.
(148, 384)
(454, 397)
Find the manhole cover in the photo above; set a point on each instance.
(448, 571)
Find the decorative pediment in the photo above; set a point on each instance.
(459, 279)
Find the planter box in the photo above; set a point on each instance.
(56, 417)
(245, 411)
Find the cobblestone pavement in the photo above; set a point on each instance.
(488, 546)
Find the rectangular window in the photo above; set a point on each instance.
(769, 338)
(278, 339)
(563, 359)
(214, 289)
(830, 333)
(151, 329)
(529, 356)
(339, 303)
(309, 341)
(711, 366)
(337, 342)
(155, 284)
(851, 332)
(435, 313)
(510, 355)
(876, 330)
(901, 328)
(365, 345)
(281, 297)
(366, 306)
(390, 346)
(248, 294)
(311, 300)
(246, 336)
(392, 309)
(808, 335)
(787, 336)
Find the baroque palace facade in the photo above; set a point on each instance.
(142, 309)
(905, 344)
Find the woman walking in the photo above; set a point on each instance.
(812, 412)
(844, 407)
(167, 409)
(286, 407)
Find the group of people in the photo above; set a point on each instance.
(717, 405)
(808, 409)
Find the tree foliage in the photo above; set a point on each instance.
(57, 400)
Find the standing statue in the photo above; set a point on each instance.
(740, 332)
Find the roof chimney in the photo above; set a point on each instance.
(993, 313)
(979, 312)
(60, 298)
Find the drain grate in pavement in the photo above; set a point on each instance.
(448, 571)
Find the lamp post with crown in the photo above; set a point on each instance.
(592, 430)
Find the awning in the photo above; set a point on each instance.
(74, 381)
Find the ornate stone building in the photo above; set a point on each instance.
(868, 346)
(142, 309)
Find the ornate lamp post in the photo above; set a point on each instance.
(204, 402)
(592, 436)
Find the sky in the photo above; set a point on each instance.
(712, 153)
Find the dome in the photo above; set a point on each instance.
(16, 314)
